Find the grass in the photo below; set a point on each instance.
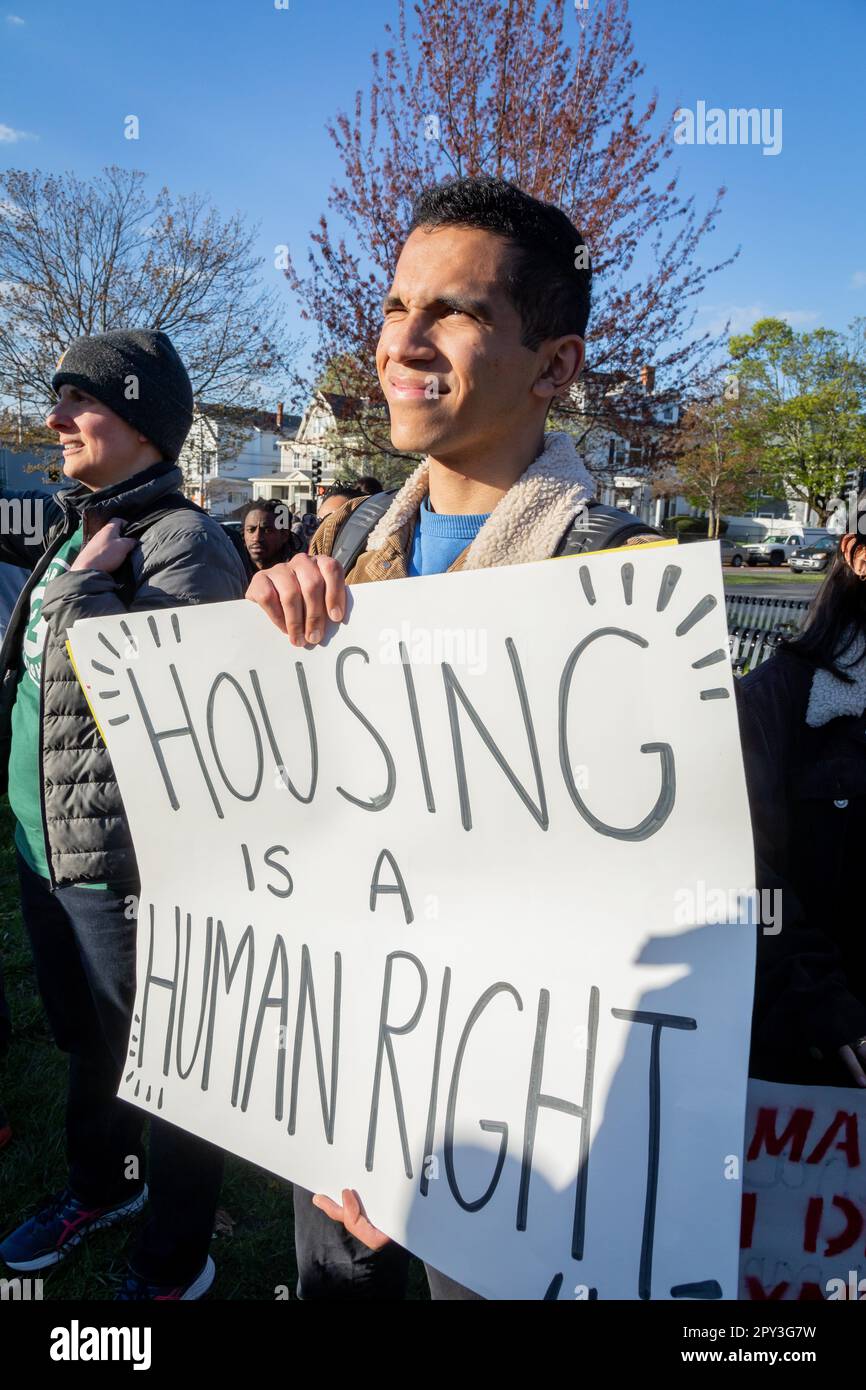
(254, 1255)
(751, 576)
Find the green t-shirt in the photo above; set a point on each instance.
(25, 789)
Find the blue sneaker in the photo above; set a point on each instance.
(134, 1288)
(47, 1238)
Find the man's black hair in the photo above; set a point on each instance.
(837, 617)
(550, 279)
(347, 490)
(280, 511)
(369, 485)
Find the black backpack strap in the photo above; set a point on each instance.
(599, 527)
(352, 537)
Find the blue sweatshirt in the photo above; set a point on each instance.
(439, 539)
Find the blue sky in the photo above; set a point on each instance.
(233, 97)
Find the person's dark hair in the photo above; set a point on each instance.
(838, 615)
(347, 490)
(280, 511)
(369, 485)
(549, 282)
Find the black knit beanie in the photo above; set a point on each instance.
(139, 376)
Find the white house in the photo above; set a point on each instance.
(318, 441)
(227, 449)
(625, 469)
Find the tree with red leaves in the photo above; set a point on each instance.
(504, 89)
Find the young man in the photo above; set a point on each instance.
(120, 539)
(483, 328)
(267, 534)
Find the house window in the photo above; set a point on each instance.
(618, 455)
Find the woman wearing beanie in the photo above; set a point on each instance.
(803, 724)
(121, 538)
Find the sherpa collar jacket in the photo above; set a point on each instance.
(183, 557)
(527, 524)
(804, 744)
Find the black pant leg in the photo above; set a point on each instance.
(185, 1172)
(186, 1175)
(103, 1134)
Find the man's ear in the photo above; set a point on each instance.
(561, 363)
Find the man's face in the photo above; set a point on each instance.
(98, 447)
(454, 371)
(263, 538)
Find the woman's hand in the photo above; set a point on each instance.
(351, 1214)
(854, 1056)
(106, 551)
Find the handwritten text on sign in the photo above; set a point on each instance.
(804, 1204)
(408, 917)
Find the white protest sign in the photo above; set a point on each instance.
(804, 1193)
(415, 910)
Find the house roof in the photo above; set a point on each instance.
(253, 417)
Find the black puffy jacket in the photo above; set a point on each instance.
(807, 790)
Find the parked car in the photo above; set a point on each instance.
(732, 553)
(815, 557)
(775, 550)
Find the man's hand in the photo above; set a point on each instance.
(854, 1056)
(351, 1213)
(300, 595)
(107, 550)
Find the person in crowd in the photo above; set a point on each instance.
(369, 485)
(305, 529)
(483, 330)
(267, 533)
(803, 727)
(335, 497)
(121, 538)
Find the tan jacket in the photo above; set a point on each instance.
(527, 524)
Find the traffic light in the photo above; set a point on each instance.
(855, 481)
(317, 473)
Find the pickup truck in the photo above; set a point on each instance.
(775, 550)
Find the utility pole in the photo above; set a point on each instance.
(201, 457)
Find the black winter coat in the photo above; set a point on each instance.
(807, 790)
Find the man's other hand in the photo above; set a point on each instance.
(351, 1214)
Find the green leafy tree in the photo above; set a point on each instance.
(804, 406)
